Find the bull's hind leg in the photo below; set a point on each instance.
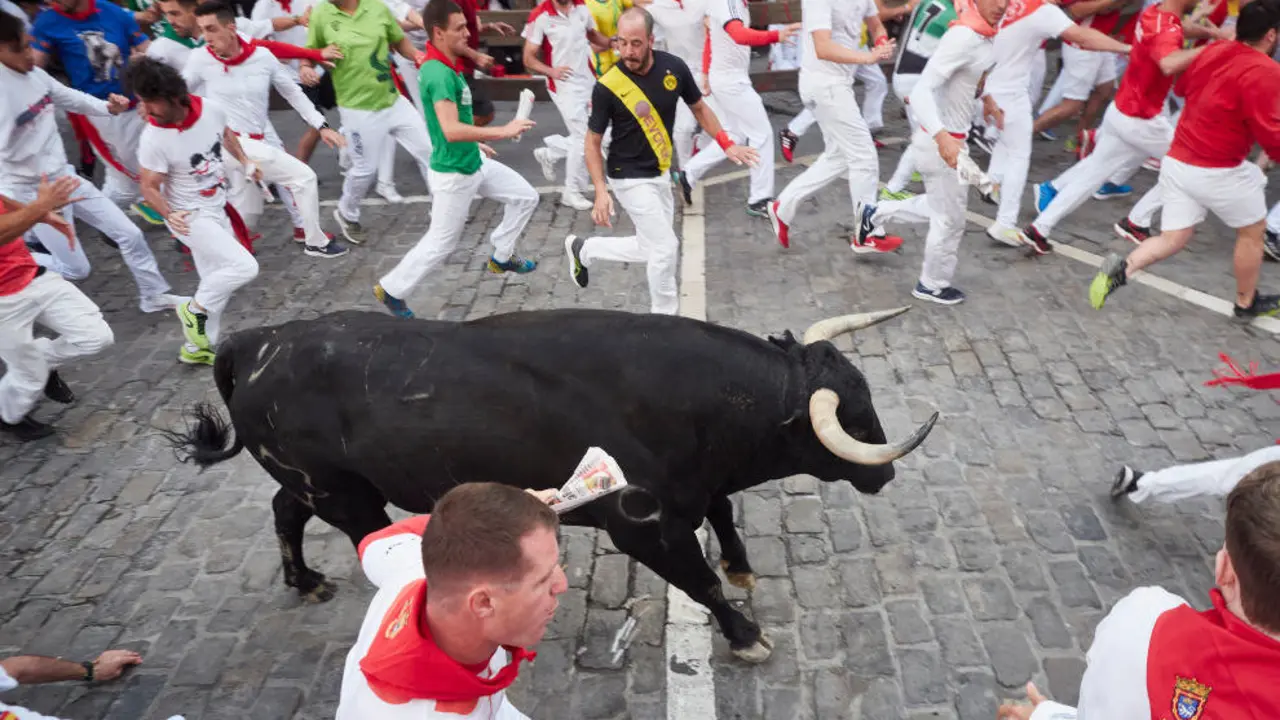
(291, 521)
(733, 554)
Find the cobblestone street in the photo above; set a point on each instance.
(986, 563)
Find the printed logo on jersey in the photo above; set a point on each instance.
(104, 56)
(466, 94)
(33, 112)
(401, 620)
(1189, 698)
(209, 165)
(669, 82)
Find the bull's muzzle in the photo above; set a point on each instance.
(823, 402)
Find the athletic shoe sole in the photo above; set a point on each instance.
(1122, 232)
(934, 298)
(573, 260)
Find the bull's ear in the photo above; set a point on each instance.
(786, 340)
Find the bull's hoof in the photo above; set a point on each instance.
(755, 653)
(744, 580)
(322, 592)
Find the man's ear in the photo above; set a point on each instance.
(480, 603)
(1224, 573)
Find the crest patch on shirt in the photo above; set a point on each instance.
(669, 82)
(1189, 698)
(401, 620)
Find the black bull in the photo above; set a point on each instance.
(353, 410)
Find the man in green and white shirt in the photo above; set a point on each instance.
(459, 170)
(929, 20)
(372, 110)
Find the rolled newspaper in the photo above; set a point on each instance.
(524, 109)
(597, 475)
(970, 174)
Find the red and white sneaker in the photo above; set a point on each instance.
(1084, 143)
(879, 145)
(875, 244)
(779, 227)
(1152, 164)
(787, 142)
(299, 235)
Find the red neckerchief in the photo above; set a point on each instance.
(967, 15)
(434, 54)
(193, 114)
(247, 46)
(403, 663)
(89, 10)
(284, 5)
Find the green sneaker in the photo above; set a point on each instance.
(917, 177)
(193, 325)
(1110, 276)
(195, 357)
(1262, 306)
(144, 211)
(886, 194)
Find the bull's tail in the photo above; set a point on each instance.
(207, 433)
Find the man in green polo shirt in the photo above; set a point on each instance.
(373, 112)
(459, 171)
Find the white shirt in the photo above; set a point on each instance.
(567, 35)
(244, 90)
(1017, 43)
(942, 98)
(264, 11)
(730, 62)
(29, 141)
(391, 563)
(191, 159)
(844, 18)
(784, 55)
(682, 25)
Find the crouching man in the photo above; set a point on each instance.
(489, 556)
(1154, 656)
(29, 295)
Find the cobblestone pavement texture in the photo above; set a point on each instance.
(987, 562)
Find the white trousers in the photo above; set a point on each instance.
(651, 207)
(279, 167)
(572, 100)
(60, 306)
(875, 91)
(1035, 87)
(453, 193)
(1011, 157)
(1054, 96)
(1237, 195)
(942, 206)
(286, 197)
(408, 73)
(902, 86)
(1123, 144)
(682, 135)
(96, 210)
(1215, 478)
(222, 263)
(368, 132)
(848, 151)
(1273, 218)
(121, 134)
(746, 120)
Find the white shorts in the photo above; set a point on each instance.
(1234, 194)
(1084, 70)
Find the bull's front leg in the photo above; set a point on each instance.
(679, 561)
(733, 553)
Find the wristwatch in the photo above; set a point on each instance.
(88, 670)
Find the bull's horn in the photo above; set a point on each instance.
(822, 412)
(831, 327)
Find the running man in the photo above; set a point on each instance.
(458, 172)
(929, 22)
(1232, 90)
(640, 157)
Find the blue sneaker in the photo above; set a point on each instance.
(1112, 190)
(394, 304)
(945, 296)
(1048, 135)
(516, 265)
(1045, 192)
(864, 214)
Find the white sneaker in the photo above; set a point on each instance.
(163, 301)
(388, 193)
(574, 199)
(1004, 233)
(543, 156)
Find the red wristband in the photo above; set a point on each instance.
(723, 139)
(881, 40)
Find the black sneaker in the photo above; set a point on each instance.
(1262, 306)
(56, 389)
(1032, 237)
(1111, 275)
(1126, 482)
(351, 230)
(1271, 246)
(866, 228)
(759, 208)
(787, 142)
(27, 429)
(1135, 234)
(332, 250)
(686, 190)
(573, 251)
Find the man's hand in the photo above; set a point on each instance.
(786, 31)
(545, 496)
(55, 220)
(177, 222)
(117, 104)
(884, 51)
(515, 128)
(992, 111)
(308, 76)
(500, 27)
(742, 155)
(55, 195)
(253, 172)
(564, 72)
(305, 18)
(602, 213)
(1018, 711)
(330, 53)
(484, 61)
(112, 663)
(333, 138)
(488, 151)
(949, 147)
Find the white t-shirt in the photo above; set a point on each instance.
(567, 35)
(244, 90)
(730, 62)
(1017, 43)
(844, 18)
(191, 160)
(942, 98)
(264, 11)
(30, 145)
(681, 23)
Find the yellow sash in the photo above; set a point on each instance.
(650, 122)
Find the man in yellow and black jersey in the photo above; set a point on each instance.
(638, 97)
